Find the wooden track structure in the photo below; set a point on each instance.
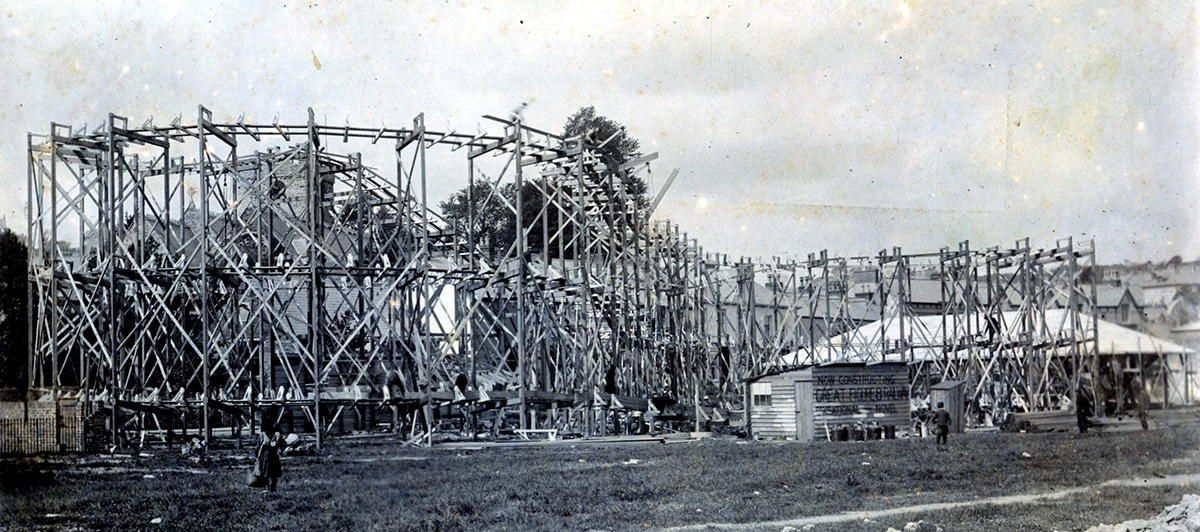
(271, 272)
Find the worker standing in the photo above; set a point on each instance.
(268, 457)
(941, 418)
(1143, 407)
(1083, 410)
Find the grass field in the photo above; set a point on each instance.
(377, 484)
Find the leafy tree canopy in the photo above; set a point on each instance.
(596, 129)
(622, 148)
(494, 221)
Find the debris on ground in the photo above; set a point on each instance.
(1182, 517)
(295, 445)
(919, 526)
(194, 450)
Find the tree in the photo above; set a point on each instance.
(14, 316)
(494, 221)
(494, 226)
(597, 129)
(618, 147)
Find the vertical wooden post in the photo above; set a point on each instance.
(522, 368)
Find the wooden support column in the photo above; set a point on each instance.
(316, 301)
(522, 369)
(204, 334)
(425, 294)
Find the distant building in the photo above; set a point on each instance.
(925, 297)
(1167, 296)
(1117, 304)
(1188, 335)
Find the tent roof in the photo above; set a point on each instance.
(1188, 327)
(1118, 340)
(925, 334)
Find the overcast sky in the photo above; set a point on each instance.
(796, 126)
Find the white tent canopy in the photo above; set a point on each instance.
(924, 334)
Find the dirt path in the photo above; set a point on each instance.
(1173, 480)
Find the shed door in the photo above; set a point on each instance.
(804, 411)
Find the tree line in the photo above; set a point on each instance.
(14, 312)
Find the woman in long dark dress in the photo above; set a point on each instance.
(268, 457)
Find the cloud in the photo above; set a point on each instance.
(916, 123)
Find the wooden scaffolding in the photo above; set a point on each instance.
(271, 276)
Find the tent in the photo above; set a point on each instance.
(1162, 365)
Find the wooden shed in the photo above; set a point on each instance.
(949, 393)
(804, 403)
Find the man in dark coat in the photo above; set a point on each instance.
(268, 456)
(941, 418)
(1083, 410)
(1143, 408)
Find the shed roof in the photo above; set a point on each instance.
(840, 364)
(946, 385)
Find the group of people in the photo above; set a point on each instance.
(1083, 413)
(267, 468)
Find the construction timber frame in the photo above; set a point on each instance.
(1017, 325)
(270, 275)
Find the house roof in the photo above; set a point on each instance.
(1181, 275)
(1111, 296)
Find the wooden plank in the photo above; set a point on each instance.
(225, 137)
(138, 137)
(492, 145)
(639, 161)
